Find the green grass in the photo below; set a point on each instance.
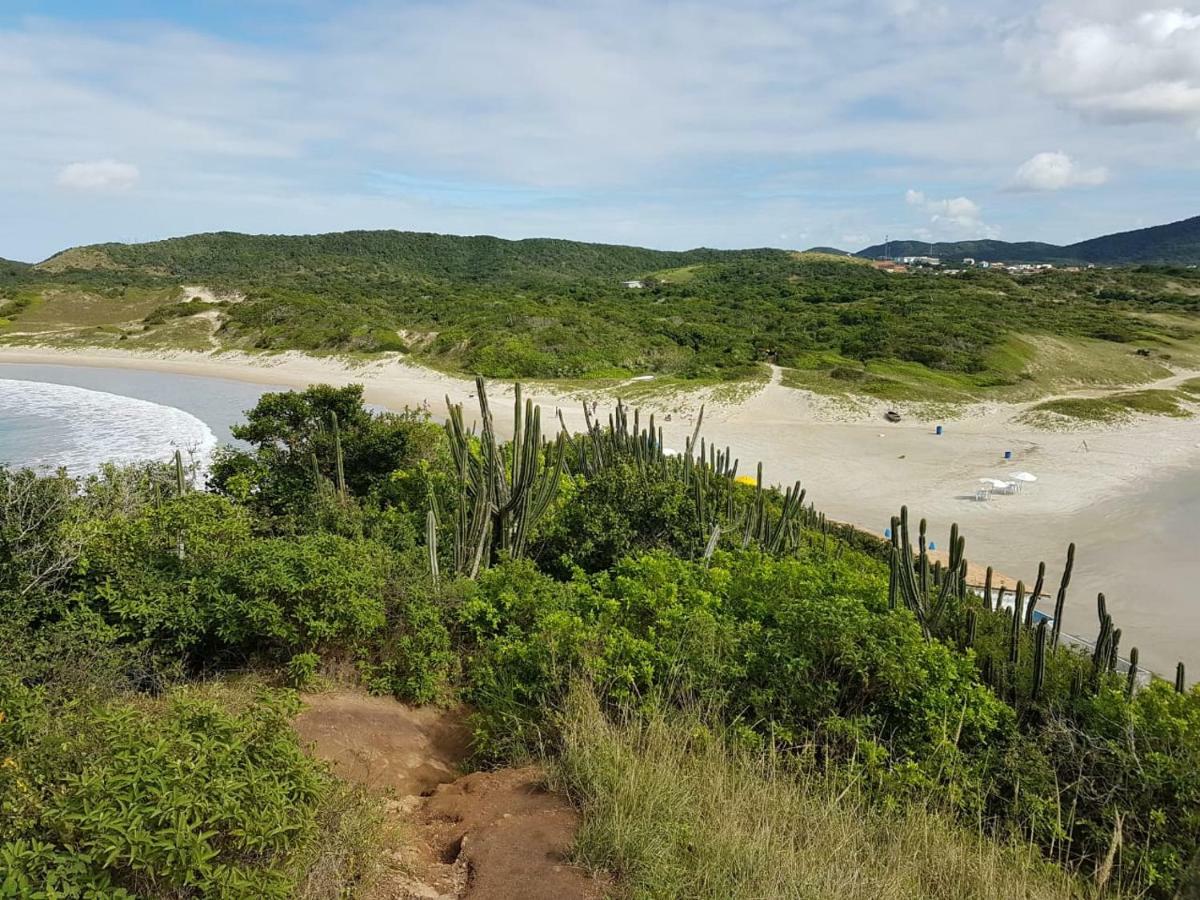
(674, 809)
(1113, 408)
(1020, 368)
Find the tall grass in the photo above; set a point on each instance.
(675, 809)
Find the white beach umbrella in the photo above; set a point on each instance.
(1024, 476)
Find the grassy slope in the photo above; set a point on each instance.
(675, 811)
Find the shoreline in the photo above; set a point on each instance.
(1097, 486)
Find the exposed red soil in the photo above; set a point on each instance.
(485, 836)
(382, 744)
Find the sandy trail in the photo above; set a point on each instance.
(1101, 487)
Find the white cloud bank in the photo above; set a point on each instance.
(1117, 61)
(99, 175)
(1054, 171)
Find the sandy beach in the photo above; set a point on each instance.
(1102, 487)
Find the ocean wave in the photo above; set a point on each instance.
(45, 426)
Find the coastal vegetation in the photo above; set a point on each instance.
(560, 310)
(664, 635)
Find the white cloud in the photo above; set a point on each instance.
(99, 175)
(1054, 171)
(1116, 61)
(958, 216)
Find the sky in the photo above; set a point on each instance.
(721, 123)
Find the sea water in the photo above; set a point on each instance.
(78, 418)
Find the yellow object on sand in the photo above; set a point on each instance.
(747, 479)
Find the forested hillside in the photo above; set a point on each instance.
(1178, 242)
(380, 255)
(552, 309)
(1175, 244)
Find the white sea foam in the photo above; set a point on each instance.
(46, 426)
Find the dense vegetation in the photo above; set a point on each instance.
(1177, 243)
(558, 309)
(440, 564)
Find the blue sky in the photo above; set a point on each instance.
(667, 124)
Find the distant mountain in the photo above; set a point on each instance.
(418, 255)
(380, 253)
(996, 251)
(1174, 244)
(11, 266)
(1177, 243)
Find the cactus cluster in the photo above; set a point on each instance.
(911, 574)
(501, 495)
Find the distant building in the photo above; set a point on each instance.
(887, 265)
(634, 284)
(919, 261)
(968, 261)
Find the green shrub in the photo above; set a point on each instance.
(182, 798)
(412, 659)
(299, 594)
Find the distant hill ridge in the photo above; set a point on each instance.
(400, 254)
(1175, 244)
(384, 253)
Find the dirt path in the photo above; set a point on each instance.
(485, 836)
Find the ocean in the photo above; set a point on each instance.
(77, 417)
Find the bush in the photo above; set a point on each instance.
(181, 798)
(301, 594)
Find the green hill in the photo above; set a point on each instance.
(12, 267)
(1175, 244)
(997, 251)
(380, 253)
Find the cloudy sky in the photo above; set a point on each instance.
(668, 124)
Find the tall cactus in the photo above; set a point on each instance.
(1037, 592)
(1180, 684)
(1039, 659)
(431, 544)
(338, 460)
(1014, 633)
(1104, 643)
(500, 499)
(1061, 600)
(914, 577)
(1131, 675)
(987, 589)
(180, 477)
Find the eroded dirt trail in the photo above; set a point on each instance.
(484, 836)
